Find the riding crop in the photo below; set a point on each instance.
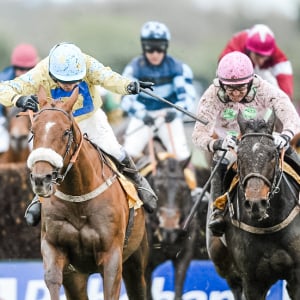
(204, 189)
(174, 105)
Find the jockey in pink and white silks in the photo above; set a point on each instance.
(268, 60)
(235, 89)
(65, 69)
(173, 81)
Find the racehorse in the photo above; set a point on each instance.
(167, 241)
(19, 135)
(87, 224)
(261, 244)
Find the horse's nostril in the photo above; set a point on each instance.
(264, 203)
(247, 204)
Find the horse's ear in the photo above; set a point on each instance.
(185, 162)
(270, 118)
(241, 121)
(42, 96)
(68, 105)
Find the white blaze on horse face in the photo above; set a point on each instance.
(255, 147)
(48, 126)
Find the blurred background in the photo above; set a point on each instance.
(109, 29)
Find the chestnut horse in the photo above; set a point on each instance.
(261, 244)
(19, 135)
(87, 225)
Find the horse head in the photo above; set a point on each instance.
(19, 130)
(54, 140)
(257, 161)
(174, 198)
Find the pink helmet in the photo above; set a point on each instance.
(24, 56)
(261, 40)
(235, 68)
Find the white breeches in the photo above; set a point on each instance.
(100, 132)
(171, 134)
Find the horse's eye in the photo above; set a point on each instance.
(67, 132)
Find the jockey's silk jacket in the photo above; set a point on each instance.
(89, 99)
(221, 113)
(172, 81)
(278, 64)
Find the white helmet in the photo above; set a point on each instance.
(67, 62)
(155, 31)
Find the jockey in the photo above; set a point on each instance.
(268, 60)
(235, 89)
(23, 58)
(64, 69)
(173, 81)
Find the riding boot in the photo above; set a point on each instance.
(144, 189)
(33, 212)
(216, 221)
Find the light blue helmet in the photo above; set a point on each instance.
(155, 31)
(67, 63)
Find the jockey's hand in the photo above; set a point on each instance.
(281, 140)
(229, 143)
(28, 102)
(170, 116)
(134, 87)
(148, 120)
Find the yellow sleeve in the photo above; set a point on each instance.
(27, 84)
(98, 74)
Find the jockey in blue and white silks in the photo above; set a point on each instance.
(173, 80)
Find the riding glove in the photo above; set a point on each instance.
(170, 116)
(281, 140)
(148, 120)
(28, 102)
(225, 144)
(134, 87)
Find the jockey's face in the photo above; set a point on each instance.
(67, 87)
(155, 57)
(236, 92)
(257, 59)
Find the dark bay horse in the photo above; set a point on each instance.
(87, 225)
(19, 135)
(261, 244)
(167, 241)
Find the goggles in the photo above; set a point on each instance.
(237, 87)
(151, 46)
(24, 69)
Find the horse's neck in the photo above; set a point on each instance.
(87, 172)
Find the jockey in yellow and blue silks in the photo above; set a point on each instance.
(64, 69)
(173, 81)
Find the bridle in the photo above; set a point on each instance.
(57, 177)
(274, 185)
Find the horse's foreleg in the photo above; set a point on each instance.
(112, 273)
(54, 262)
(134, 270)
(75, 285)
